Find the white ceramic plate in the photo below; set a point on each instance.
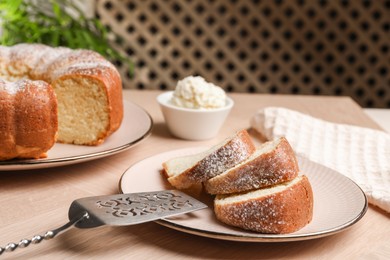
(338, 202)
(135, 127)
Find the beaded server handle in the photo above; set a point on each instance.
(119, 210)
(38, 238)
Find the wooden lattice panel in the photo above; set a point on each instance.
(287, 47)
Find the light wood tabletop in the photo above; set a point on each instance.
(34, 201)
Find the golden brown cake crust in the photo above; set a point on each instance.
(269, 168)
(236, 150)
(28, 119)
(279, 213)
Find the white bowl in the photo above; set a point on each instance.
(193, 124)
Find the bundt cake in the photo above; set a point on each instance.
(88, 89)
(27, 129)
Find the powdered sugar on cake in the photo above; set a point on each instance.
(44, 62)
(283, 208)
(207, 165)
(13, 88)
(271, 164)
(221, 160)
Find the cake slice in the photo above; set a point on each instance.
(272, 163)
(182, 172)
(279, 209)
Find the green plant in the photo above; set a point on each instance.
(55, 23)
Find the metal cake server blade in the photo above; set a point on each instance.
(119, 210)
(133, 208)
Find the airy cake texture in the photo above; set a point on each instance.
(272, 163)
(189, 170)
(87, 87)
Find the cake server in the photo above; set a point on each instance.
(118, 210)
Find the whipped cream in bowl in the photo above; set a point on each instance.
(197, 93)
(196, 109)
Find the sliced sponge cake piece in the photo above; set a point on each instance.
(272, 163)
(183, 172)
(279, 209)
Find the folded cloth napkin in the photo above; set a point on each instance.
(362, 154)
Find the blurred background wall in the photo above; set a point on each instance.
(336, 47)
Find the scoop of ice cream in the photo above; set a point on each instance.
(197, 93)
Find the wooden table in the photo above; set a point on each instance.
(35, 201)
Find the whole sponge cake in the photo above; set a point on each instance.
(28, 119)
(88, 88)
